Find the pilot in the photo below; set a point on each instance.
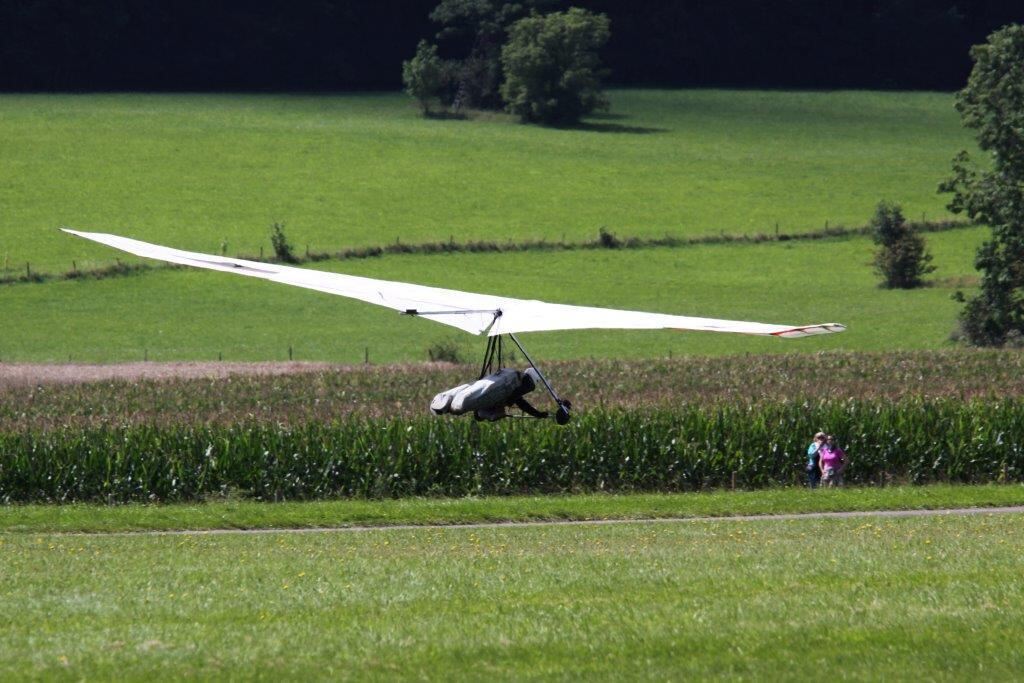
(527, 383)
(490, 396)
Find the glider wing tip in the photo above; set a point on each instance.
(809, 330)
(77, 233)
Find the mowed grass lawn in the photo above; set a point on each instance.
(351, 512)
(357, 169)
(893, 599)
(181, 314)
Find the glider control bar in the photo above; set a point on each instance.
(495, 313)
(562, 416)
(416, 311)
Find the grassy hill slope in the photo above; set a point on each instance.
(349, 170)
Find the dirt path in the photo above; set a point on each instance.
(1014, 509)
(21, 374)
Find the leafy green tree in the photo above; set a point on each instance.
(552, 68)
(992, 104)
(424, 75)
(901, 258)
(477, 29)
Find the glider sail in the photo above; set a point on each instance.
(474, 313)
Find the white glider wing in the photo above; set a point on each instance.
(474, 313)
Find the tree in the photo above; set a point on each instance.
(992, 104)
(424, 75)
(901, 258)
(551, 66)
(282, 249)
(478, 29)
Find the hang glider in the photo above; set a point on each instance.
(480, 314)
(474, 313)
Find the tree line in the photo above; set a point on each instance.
(356, 45)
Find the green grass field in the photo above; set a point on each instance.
(924, 598)
(241, 514)
(196, 171)
(345, 170)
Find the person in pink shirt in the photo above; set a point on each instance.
(832, 462)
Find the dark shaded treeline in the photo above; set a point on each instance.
(359, 45)
(913, 44)
(213, 45)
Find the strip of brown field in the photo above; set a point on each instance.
(48, 396)
(30, 374)
(26, 374)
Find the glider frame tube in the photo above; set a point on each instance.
(540, 374)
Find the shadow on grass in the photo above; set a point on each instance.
(608, 123)
(616, 128)
(595, 123)
(444, 115)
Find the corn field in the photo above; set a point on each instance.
(404, 391)
(679, 449)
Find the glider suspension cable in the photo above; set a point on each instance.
(493, 349)
(487, 358)
(492, 357)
